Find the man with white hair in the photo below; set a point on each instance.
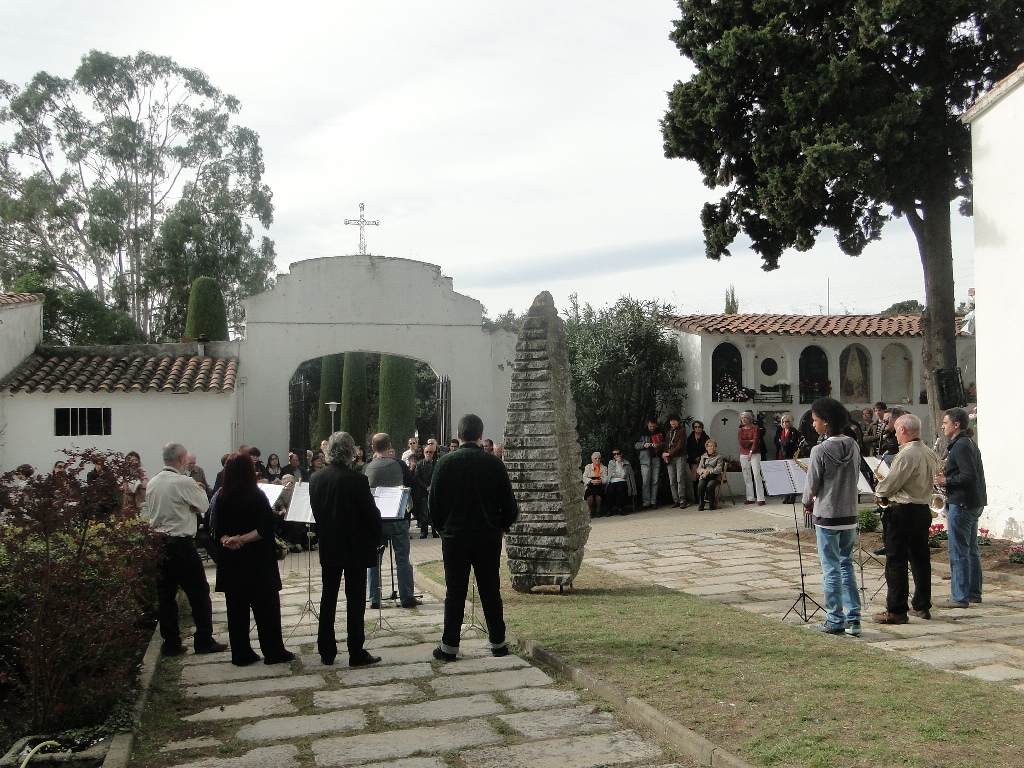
(175, 503)
(908, 487)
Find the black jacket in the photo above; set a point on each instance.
(253, 568)
(965, 474)
(471, 495)
(347, 520)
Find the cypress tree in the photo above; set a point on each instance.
(355, 402)
(330, 391)
(397, 399)
(206, 313)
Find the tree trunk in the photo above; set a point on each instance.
(938, 321)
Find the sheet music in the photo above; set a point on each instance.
(782, 478)
(271, 491)
(392, 501)
(299, 510)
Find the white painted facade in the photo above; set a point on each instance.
(369, 304)
(21, 329)
(997, 125)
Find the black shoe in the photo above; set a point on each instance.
(924, 614)
(879, 551)
(437, 535)
(361, 661)
(424, 535)
(211, 647)
(284, 658)
(499, 652)
(413, 604)
(700, 507)
(173, 649)
(327, 661)
(246, 661)
(442, 655)
(374, 606)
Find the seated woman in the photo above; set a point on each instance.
(694, 450)
(595, 477)
(621, 483)
(709, 474)
(247, 568)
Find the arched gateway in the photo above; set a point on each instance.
(368, 304)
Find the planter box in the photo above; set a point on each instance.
(89, 758)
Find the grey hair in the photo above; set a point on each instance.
(341, 449)
(172, 452)
(595, 455)
(911, 423)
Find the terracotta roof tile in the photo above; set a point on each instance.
(54, 370)
(9, 299)
(800, 325)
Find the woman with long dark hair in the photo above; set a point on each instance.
(247, 568)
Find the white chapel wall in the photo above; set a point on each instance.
(998, 252)
(21, 328)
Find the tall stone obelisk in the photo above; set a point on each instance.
(542, 454)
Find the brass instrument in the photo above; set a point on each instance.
(796, 460)
(882, 501)
(939, 499)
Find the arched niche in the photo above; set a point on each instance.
(814, 381)
(969, 370)
(726, 371)
(897, 375)
(855, 374)
(724, 428)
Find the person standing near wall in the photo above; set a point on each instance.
(749, 437)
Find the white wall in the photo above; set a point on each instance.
(21, 328)
(998, 249)
(369, 304)
(141, 422)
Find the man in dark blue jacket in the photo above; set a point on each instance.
(966, 497)
(471, 506)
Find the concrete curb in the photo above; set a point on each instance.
(120, 751)
(690, 743)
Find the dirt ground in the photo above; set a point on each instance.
(994, 557)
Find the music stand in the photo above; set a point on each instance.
(391, 503)
(472, 607)
(300, 511)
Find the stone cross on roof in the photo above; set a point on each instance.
(363, 224)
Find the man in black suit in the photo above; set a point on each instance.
(348, 529)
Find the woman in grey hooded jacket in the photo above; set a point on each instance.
(830, 495)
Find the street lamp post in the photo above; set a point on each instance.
(333, 406)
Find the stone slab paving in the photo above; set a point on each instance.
(703, 554)
(409, 711)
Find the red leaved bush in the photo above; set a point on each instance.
(76, 595)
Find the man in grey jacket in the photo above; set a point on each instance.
(830, 495)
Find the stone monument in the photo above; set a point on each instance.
(542, 454)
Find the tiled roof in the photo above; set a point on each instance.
(78, 370)
(800, 325)
(8, 299)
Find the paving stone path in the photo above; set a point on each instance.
(409, 711)
(717, 556)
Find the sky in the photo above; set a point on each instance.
(513, 143)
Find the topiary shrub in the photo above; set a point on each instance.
(331, 372)
(77, 575)
(355, 403)
(206, 313)
(397, 399)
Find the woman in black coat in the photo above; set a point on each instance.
(247, 568)
(695, 447)
(787, 442)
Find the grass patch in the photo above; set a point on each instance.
(777, 694)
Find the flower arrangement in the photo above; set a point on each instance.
(983, 539)
(936, 534)
(1016, 553)
(727, 390)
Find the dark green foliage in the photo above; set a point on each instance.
(732, 304)
(206, 313)
(908, 307)
(76, 317)
(355, 403)
(76, 601)
(508, 320)
(397, 399)
(868, 519)
(625, 366)
(427, 424)
(839, 115)
(132, 171)
(331, 371)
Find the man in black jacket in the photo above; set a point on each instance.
(348, 529)
(471, 506)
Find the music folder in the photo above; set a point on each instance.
(392, 501)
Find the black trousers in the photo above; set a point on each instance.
(483, 555)
(266, 611)
(182, 567)
(615, 497)
(707, 487)
(355, 610)
(906, 543)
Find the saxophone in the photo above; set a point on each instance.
(939, 499)
(796, 460)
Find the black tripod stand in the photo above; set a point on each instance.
(803, 598)
(310, 606)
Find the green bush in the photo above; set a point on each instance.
(355, 402)
(397, 399)
(868, 519)
(206, 313)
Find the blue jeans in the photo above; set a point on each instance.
(964, 557)
(397, 532)
(838, 579)
(649, 482)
